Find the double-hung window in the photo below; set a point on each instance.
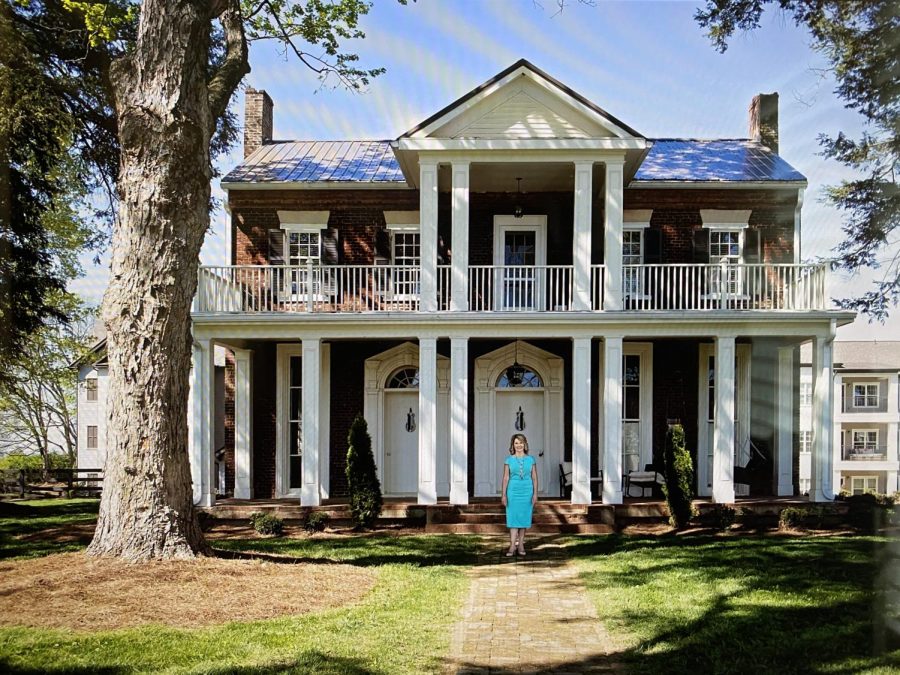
(806, 393)
(725, 251)
(863, 484)
(865, 441)
(406, 256)
(91, 388)
(865, 395)
(302, 253)
(632, 254)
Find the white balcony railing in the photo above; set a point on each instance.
(872, 453)
(723, 286)
(511, 288)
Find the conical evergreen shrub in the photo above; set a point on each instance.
(362, 476)
(679, 472)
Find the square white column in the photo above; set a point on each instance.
(821, 487)
(459, 261)
(612, 420)
(325, 423)
(203, 396)
(581, 421)
(723, 432)
(428, 213)
(612, 243)
(427, 420)
(459, 420)
(581, 239)
(312, 368)
(243, 427)
(784, 422)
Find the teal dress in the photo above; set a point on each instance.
(519, 491)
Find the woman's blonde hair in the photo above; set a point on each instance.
(512, 443)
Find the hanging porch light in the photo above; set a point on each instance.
(515, 374)
(518, 210)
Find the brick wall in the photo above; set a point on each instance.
(675, 377)
(358, 215)
(263, 364)
(229, 422)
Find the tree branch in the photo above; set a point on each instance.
(236, 64)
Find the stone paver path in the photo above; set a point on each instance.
(528, 615)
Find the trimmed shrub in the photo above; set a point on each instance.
(679, 473)
(266, 523)
(362, 476)
(721, 516)
(800, 518)
(316, 521)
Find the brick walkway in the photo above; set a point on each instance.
(528, 615)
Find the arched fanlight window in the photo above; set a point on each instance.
(405, 378)
(524, 377)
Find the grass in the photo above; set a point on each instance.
(29, 529)
(401, 626)
(742, 604)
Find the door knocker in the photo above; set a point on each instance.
(410, 421)
(520, 420)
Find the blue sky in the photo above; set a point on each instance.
(647, 63)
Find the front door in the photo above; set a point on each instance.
(520, 411)
(520, 259)
(401, 442)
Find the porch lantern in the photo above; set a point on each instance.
(515, 374)
(518, 210)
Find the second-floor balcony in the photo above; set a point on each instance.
(872, 453)
(509, 288)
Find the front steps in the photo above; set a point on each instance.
(549, 518)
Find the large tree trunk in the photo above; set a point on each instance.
(165, 126)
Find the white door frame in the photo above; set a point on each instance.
(645, 351)
(742, 411)
(282, 428)
(377, 370)
(533, 223)
(488, 369)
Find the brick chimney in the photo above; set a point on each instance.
(764, 120)
(257, 120)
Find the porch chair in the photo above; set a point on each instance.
(648, 478)
(565, 481)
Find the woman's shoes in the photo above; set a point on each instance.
(511, 552)
(521, 550)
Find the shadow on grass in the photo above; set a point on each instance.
(762, 604)
(370, 551)
(38, 528)
(7, 667)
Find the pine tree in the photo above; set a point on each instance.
(362, 475)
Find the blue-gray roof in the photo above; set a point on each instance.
(692, 160)
(684, 160)
(319, 161)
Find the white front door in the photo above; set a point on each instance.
(401, 442)
(520, 411)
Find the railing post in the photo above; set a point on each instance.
(22, 483)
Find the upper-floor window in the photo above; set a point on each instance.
(90, 386)
(865, 395)
(724, 245)
(92, 437)
(304, 248)
(806, 393)
(865, 440)
(805, 441)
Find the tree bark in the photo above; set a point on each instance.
(165, 125)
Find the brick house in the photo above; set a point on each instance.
(520, 261)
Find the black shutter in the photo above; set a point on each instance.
(276, 247)
(330, 249)
(383, 245)
(701, 246)
(652, 246)
(751, 246)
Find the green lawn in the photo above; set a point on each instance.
(29, 529)
(749, 604)
(402, 626)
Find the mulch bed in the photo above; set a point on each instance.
(74, 591)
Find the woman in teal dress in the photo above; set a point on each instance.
(520, 488)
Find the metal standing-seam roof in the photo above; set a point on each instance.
(668, 160)
(725, 160)
(319, 162)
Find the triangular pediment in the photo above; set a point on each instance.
(522, 103)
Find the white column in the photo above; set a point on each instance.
(581, 240)
(428, 213)
(459, 261)
(612, 420)
(581, 421)
(459, 420)
(312, 369)
(723, 431)
(612, 244)
(203, 395)
(822, 461)
(195, 429)
(325, 423)
(784, 422)
(243, 426)
(427, 420)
